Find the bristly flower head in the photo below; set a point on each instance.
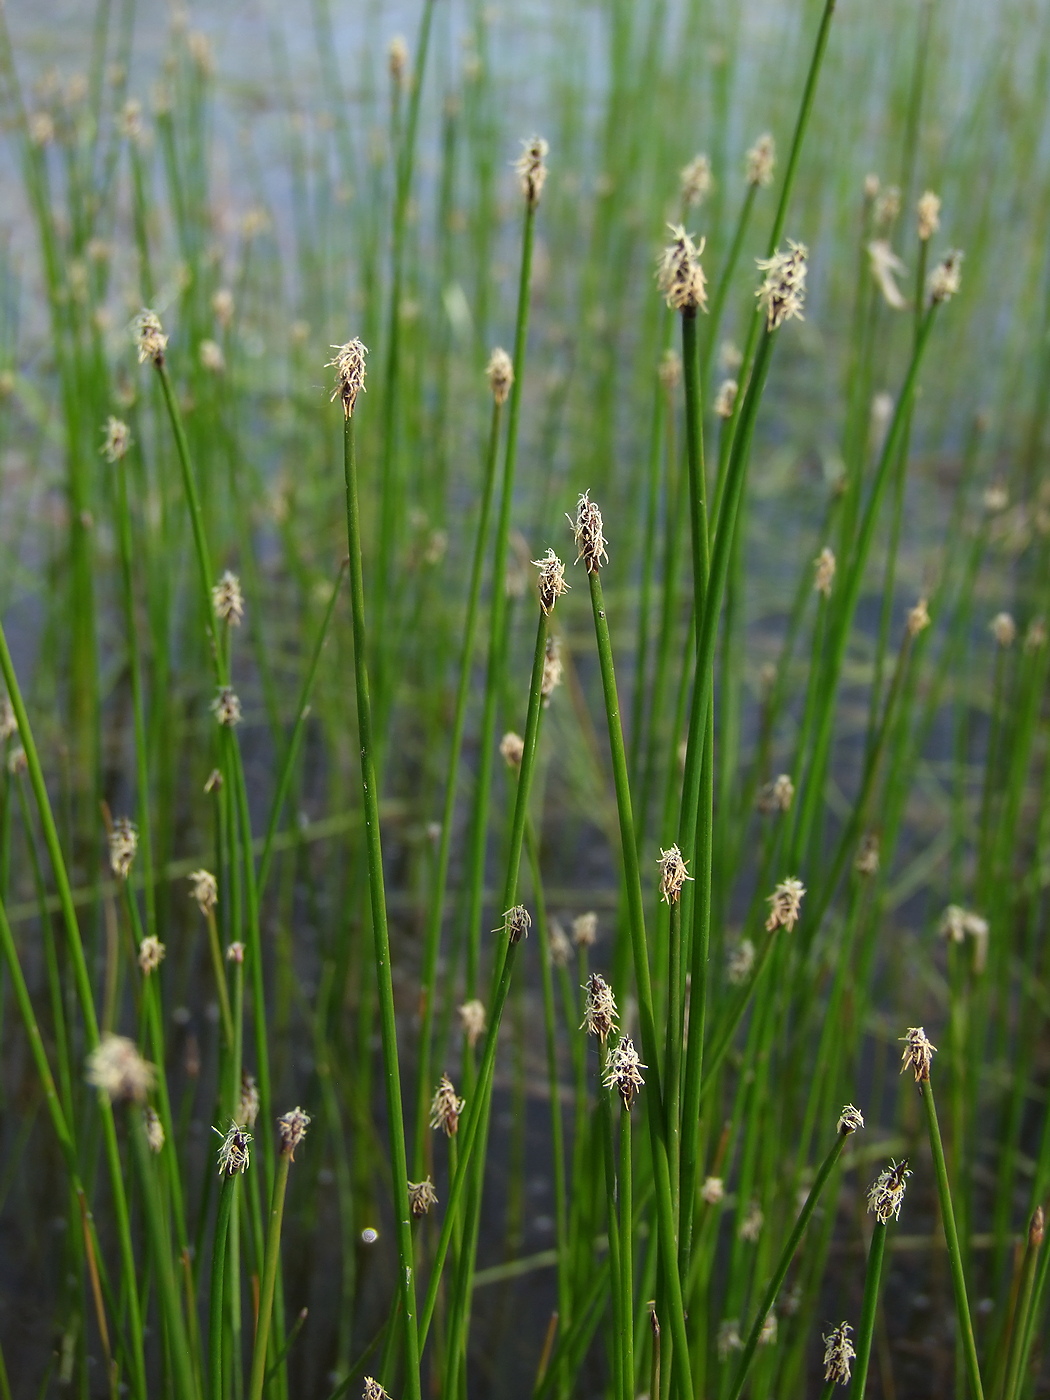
(1004, 629)
(918, 618)
(228, 600)
(838, 1353)
(373, 1390)
(824, 564)
(697, 181)
(851, 1120)
(204, 890)
(622, 1071)
(248, 1101)
(928, 210)
(552, 583)
(226, 707)
(672, 875)
(599, 1011)
(517, 922)
(117, 439)
(397, 58)
(886, 266)
(349, 366)
(151, 954)
(741, 962)
(558, 946)
(118, 1070)
(154, 1129)
(778, 795)
(152, 342)
(445, 1108)
(512, 749)
(761, 159)
(679, 274)
(291, 1128)
(886, 1193)
(123, 843)
(783, 293)
(531, 169)
(713, 1190)
(472, 1021)
(588, 532)
(585, 929)
(946, 278)
(918, 1053)
(785, 903)
(233, 1154)
(421, 1196)
(500, 372)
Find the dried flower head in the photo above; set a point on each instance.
(233, 1153)
(119, 1071)
(867, 859)
(222, 305)
(918, 618)
(761, 159)
(928, 210)
(679, 274)
(918, 1054)
(516, 923)
(851, 1120)
(211, 357)
(838, 1353)
(228, 600)
(421, 1196)
(154, 1129)
(622, 1071)
(291, 1128)
(713, 1190)
(670, 369)
(373, 1390)
(152, 342)
(559, 947)
(588, 533)
(472, 1022)
(235, 953)
(117, 439)
(886, 1192)
(741, 962)
(445, 1108)
(226, 707)
(531, 169)
(887, 206)
(946, 277)
(1004, 629)
(885, 267)
(123, 844)
(248, 1101)
(550, 680)
(397, 58)
(672, 875)
(783, 292)
(512, 749)
(725, 399)
(500, 372)
(599, 1008)
(777, 796)
(349, 366)
(696, 180)
(585, 929)
(151, 954)
(785, 903)
(552, 583)
(751, 1225)
(204, 890)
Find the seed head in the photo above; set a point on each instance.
(587, 530)
(512, 749)
(152, 342)
(1004, 629)
(154, 1129)
(887, 207)
(713, 1190)
(560, 949)
(946, 277)
(291, 1128)
(500, 372)
(373, 1390)
(349, 366)
(761, 159)
(228, 600)
(211, 356)
(783, 292)
(585, 929)
(622, 1071)
(696, 180)
(867, 861)
(222, 305)
(918, 1053)
(397, 58)
(851, 1120)
(778, 795)
(204, 890)
(885, 267)
(248, 1102)
(119, 1071)
(226, 707)
(151, 954)
(672, 875)
(552, 669)
(725, 399)
(445, 1108)
(751, 1225)
(552, 583)
(679, 274)
(599, 1009)
(838, 1353)
(918, 618)
(472, 1022)
(741, 962)
(123, 843)
(233, 1154)
(517, 922)
(117, 439)
(928, 210)
(421, 1196)
(670, 369)
(886, 1192)
(531, 169)
(785, 903)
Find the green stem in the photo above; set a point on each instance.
(269, 1278)
(869, 1308)
(218, 1274)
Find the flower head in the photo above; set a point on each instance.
(599, 1009)
(867, 860)
(918, 1055)
(233, 1153)
(117, 439)
(928, 210)
(204, 890)
(838, 1353)
(946, 277)
(211, 356)
(421, 1196)
(373, 1390)
(761, 159)
(531, 169)
(885, 267)
(741, 962)
(696, 180)
(918, 618)
(587, 529)
(151, 954)
(585, 929)
(512, 749)
(783, 292)
(725, 399)
(226, 707)
(397, 58)
(560, 949)
(123, 844)
(349, 366)
(154, 1129)
(785, 903)
(248, 1101)
(517, 922)
(445, 1108)
(472, 1023)
(679, 274)
(713, 1190)
(552, 583)
(228, 600)
(672, 875)
(552, 669)
(778, 795)
(119, 1071)
(152, 342)
(291, 1128)
(500, 372)
(886, 1192)
(850, 1120)
(622, 1071)
(751, 1225)
(1004, 629)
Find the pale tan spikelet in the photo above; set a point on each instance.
(116, 1068)
(151, 954)
(751, 1225)
(234, 1156)
(222, 305)
(887, 207)
(585, 929)
(154, 1130)
(397, 59)
(516, 923)
(725, 399)
(149, 334)
(928, 212)
(851, 1120)
(445, 1108)
(291, 1128)
(227, 600)
(248, 1101)
(886, 1192)
(868, 858)
(885, 267)
(825, 566)
(782, 293)
(696, 180)
(838, 1353)
(945, 279)
(672, 875)
(349, 366)
(623, 1071)
(500, 374)
(373, 1390)
(761, 160)
(531, 169)
(1004, 629)
(117, 439)
(226, 707)
(918, 1054)
(123, 845)
(512, 749)
(551, 583)
(778, 795)
(741, 962)
(918, 618)
(204, 890)
(472, 1021)
(785, 903)
(599, 1009)
(713, 1190)
(670, 369)
(679, 273)
(552, 669)
(588, 531)
(421, 1196)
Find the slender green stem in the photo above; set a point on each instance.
(626, 1289)
(269, 1278)
(227, 1195)
(869, 1309)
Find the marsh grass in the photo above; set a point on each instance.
(856, 775)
